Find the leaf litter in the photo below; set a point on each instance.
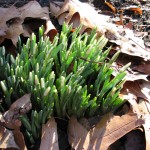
(76, 12)
(137, 86)
(11, 138)
(14, 23)
(106, 132)
(49, 138)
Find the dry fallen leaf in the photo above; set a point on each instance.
(49, 138)
(11, 138)
(7, 140)
(18, 136)
(129, 44)
(33, 10)
(117, 127)
(24, 20)
(76, 12)
(134, 88)
(135, 139)
(2, 128)
(10, 23)
(106, 132)
(143, 108)
(20, 106)
(50, 30)
(143, 68)
(55, 7)
(132, 73)
(77, 135)
(145, 88)
(7, 14)
(6, 136)
(15, 29)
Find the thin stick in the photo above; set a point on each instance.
(137, 43)
(90, 60)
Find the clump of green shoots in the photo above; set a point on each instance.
(69, 76)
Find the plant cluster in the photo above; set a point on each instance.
(69, 76)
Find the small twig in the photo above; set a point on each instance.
(100, 63)
(61, 119)
(143, 25)
(137, 43)
(15, 3)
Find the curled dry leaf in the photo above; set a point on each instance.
(16, 21)
(143, 68)
(50, 30)
(78, 13)
(133, 104)
(10, 23)
(20, 106)
(33, 15)
(49, 138)
(106, 132)
(33, 10)
(7, 14)
(133, 74)
(133, 90)
(15, 30)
